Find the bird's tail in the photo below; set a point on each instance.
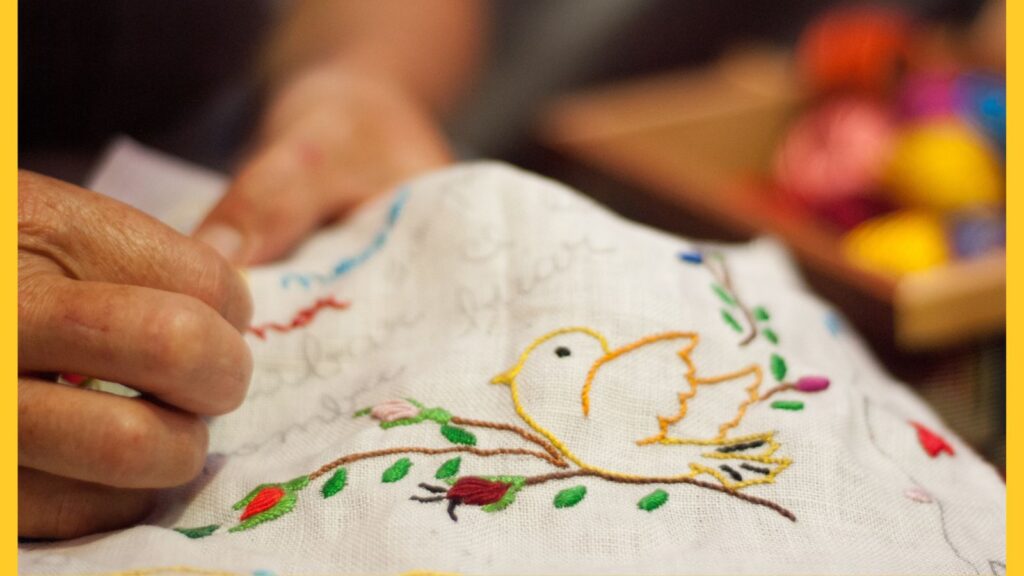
(739, 462)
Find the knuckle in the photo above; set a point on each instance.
(126, 452)
(176, 337)
(238, 371)
(193, 455)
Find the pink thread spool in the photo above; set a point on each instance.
(833, 157)
(929, 95)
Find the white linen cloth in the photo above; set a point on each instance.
(448, 280)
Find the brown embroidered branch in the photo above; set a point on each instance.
(721, 274)
(534, 480)
(556, 456)
(350, 458)
(775, 390)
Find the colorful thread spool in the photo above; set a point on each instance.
(943, 165)
(835, 151)
(898, 243)
(982, 100)
(858, 48)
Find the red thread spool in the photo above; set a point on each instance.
(860, 48)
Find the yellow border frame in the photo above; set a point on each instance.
(1014, 175)
(8, 317)
(9, 294)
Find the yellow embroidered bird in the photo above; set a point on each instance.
(642, 410)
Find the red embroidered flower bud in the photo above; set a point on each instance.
(264, 500)
(477, 491)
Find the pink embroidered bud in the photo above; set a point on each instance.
(394, 410)
(264, 500)
(477, 491)
(812, 384)
(918, 494)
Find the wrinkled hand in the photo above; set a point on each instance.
(329, 141)
(108, 292)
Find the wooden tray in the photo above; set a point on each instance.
(699, 140)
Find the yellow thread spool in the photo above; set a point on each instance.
(898, 243)
(944, 165)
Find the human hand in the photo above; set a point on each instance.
(332, 139)
(109, 292)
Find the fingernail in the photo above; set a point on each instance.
(224, 239)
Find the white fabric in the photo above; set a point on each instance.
(481, 261)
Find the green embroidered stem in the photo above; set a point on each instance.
(794, 405)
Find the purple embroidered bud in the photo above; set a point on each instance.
(812, 384)
(394, 410)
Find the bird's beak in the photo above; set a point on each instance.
(505, 377)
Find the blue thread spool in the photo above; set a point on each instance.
(977, 234)
(982, 100)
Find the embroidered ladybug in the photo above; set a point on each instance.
(471, 490)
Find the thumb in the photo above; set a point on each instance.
(273, 203)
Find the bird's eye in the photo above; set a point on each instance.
(562, 352)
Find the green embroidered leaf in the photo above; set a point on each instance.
(724, 295)
(761, 314)
(770, 335)
(570, 497)
(457, 435)
(199, 532)
(653, 501)
(449, 468)
(297, 483)
(794, 405)
(284, 506)
(362, 412)
(778, 367)
(336, 483)
(731, 321)
(397, 471)
(439, 415)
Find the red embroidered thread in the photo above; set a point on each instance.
(302, 317)
(263, 501)
(932, 443)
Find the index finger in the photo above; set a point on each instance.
(96, 238)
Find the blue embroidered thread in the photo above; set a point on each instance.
(349, 264)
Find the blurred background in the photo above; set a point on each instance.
(869, 137)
